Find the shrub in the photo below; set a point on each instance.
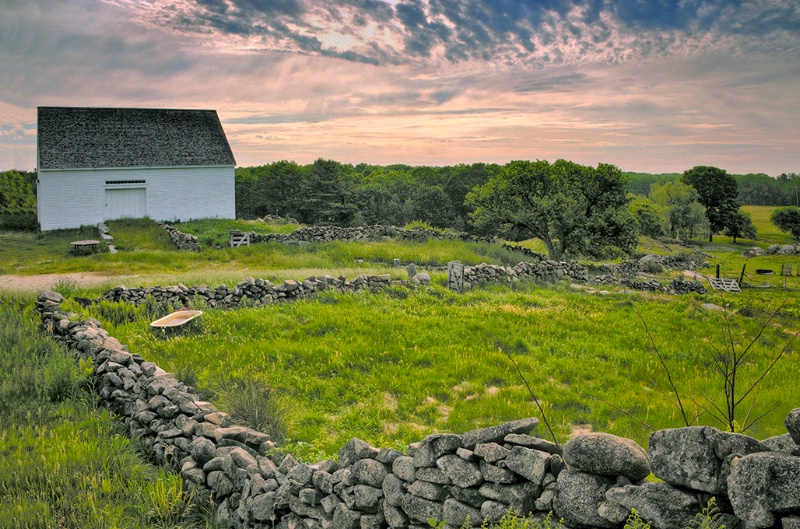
(19, 221)
(653, 267)
(66, 286)
(511, 520)
(787, 219)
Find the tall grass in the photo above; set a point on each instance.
(63, 461)
(145, 251)
(390, 369)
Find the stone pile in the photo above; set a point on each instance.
(679, 286)
(593, 481)
(256, 292)
(605, 279)
(786, 249)
(320, 234)
(278, 219)
(643, 284)
(183, 241)
(684, 261)
(626, 269)
(755, 251)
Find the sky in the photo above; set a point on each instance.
(651, 86)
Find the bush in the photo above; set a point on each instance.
(66, 286)
(787, 219)
(19, 221)
(653, 267)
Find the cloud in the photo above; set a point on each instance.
(426, 81)
(507, 32)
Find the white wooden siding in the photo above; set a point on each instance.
(74, 198)
(125, 203)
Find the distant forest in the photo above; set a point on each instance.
(755, 189)
(329, 192)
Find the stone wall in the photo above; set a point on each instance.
(250, 291)
(183, 241)
(591, 482)
(318, 234)
(676, 286)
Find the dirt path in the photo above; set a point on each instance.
(46, 281)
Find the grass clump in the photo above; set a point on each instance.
(710, 517)
(252, 402)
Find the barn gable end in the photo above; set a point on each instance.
(99, 164)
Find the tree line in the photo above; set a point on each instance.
(18, 200)
(574, 210)
(329, 192)
(754, 189)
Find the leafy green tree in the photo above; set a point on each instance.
(574, 209)
(684, 215)
(269, 189)
(460, 180)
(787, 219)
(648, 215)
(718, 194)
(740, 224)
(383, 195)
(640, 183)
(790, 187)
(17, 194)
(327, 194)
(432, 205)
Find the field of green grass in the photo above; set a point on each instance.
(391, 367)
(147, 255)
(64, 462)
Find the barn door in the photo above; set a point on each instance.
(125, 203)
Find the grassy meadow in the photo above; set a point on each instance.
(146, 255)
(394, 366)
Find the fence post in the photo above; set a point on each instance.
(455, 276)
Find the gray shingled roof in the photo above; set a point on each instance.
(73, 138)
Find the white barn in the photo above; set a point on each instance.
(97, 164)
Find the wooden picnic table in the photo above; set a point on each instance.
(87, 246)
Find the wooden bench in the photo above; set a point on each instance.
(84, 247)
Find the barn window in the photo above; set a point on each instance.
(123, 182)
